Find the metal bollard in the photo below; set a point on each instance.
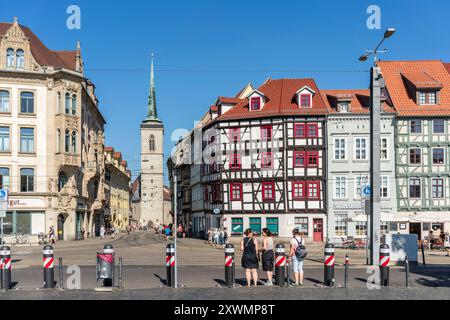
(5, 255)
(423, 253)
(329, 260)
(280, 264)
(170, 265)
(288, 272)
(347, 266)
(120, 273)
(61, 274)
(105, 266)
(47, 264)
(229, 265)
(407, 271)
(385, 259)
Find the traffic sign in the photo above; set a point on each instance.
(366, 191)
(216, 211)
(3, 195)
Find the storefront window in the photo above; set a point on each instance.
(8, 224)
(361, 229)
(23, 223)
(393, 226)
(237, 226)
(272, 225)
(255, 225)
(384, 227)
(302, 225)
(340, 225)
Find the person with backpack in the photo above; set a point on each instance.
(250, 260)
(297, 254)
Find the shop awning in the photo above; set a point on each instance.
(429, 216)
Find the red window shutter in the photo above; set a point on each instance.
(235, 134)
(236, 191)
(206, 194)
(298, 190)
(313, 130)
(299, 159)
(313, 159)
(313, 190)
(255, 103)
(235, 162)
(266, 133)
(267, 160)
(268, 191)
(305, 100)
(299, 130)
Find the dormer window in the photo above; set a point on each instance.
(255, 103)
(305, 100)
(429, 97)
(304, 97)
(343, 107)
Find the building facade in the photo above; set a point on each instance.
(348, 127)
(420, 94)
(51, 138)
(117, 190)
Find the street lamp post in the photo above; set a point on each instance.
(376, 83)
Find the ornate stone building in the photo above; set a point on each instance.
(117, 189)
(51, 138)
(152, 158)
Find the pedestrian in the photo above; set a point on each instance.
(216, 236)
(267, 255)
(102, 232)
(430, 240)
(113, 232)
(180, 231)
(51, 235)
(210, 236)
(250, 262)
(447, 243)
(297, 243)
(167, 232)
(221, 237)
(225, 236)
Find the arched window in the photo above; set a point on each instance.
(68, 102)
(74, 104)
(67, 141)
(4, 178)
(58, 103)
(20, 59)
(26, 102)
(4, 101)
(26, 180)
(10, 58)
(74, 142)
(62, 180)
(152, 143)
(58, 141)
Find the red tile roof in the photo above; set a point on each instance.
(109, 149)
(281, 100)
(402, 99)
(447, 66)
(421, 80)
(229, 100)
(117, 155)
(124, 163)
(359, 100)
(43, 55)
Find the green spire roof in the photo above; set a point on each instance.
(152, 113)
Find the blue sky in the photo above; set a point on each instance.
(209, 48)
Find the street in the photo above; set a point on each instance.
(200, 267)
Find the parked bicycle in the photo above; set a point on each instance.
(20, 239)
(43, 239)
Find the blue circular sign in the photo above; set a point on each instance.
(2, 193)
(367, 191)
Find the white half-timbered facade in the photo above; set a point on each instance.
(265, 161)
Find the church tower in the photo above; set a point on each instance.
(152, 159)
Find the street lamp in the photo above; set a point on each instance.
(376, 83)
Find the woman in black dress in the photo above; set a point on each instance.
(250, 258)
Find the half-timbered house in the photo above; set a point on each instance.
(420, 94)
(265, 160)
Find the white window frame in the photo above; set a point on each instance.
(421, 126)
(409, 187)
(387, 148)
(339, 222)
(360, 179)
(340, 149)
(443, 188)
(341, 185)
(384, 183)
(432, 124)
(361, 149)
(432, 157)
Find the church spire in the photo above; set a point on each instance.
(152, 113)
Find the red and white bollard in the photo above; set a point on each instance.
(385, 260)
(5, 256)
(47, 264)
(280, 264)
(170, 265)
(329, 261)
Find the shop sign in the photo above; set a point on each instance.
(25, 203)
